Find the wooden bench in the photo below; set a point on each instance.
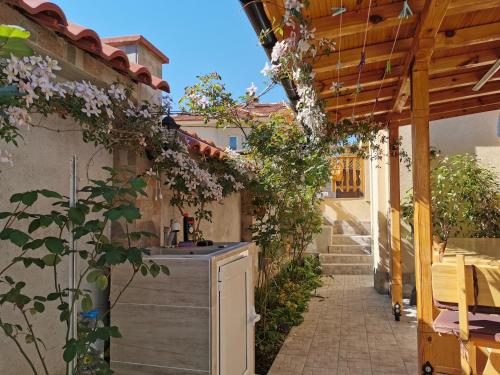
(468, 297)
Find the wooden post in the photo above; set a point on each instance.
(422, 201)
(396, 268)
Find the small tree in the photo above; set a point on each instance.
(465, 198)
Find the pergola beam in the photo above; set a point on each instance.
(443, 89)
(489, 102)
(427, 29)
(384, 16)
(354, 22)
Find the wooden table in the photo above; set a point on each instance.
(476, 250)
(484, 251)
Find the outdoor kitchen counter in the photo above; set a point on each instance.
(167, 322)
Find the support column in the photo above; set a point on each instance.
(422, 202)
(394, 184)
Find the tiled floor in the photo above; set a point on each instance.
(349, 329)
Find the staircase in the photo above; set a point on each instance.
(350, 250)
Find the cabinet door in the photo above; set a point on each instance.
(235, 328)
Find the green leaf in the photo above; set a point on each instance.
(54, 245)
(76, 215)
(29, 197)
(93, 275)
(50, 194)
(87, 303)
(35, 244)
(51, 259)
(114, 332)
(7, 329)
(53, 296)
(34, 225)
(144, 270)
(131, 213)
(16, 197)
(154, 269)
(70, 352)
(113, 257)
(165, 269)
(138, 183)
(102, 282)
(17, 47)
(10, 31)
(18, 238)
(39, 307)
(113, 214)
(3, 215)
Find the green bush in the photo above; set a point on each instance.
(281, 305)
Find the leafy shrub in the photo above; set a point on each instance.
(281, 306)
(465, 198)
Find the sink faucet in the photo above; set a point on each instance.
(170, 234)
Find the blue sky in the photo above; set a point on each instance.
(199, 36)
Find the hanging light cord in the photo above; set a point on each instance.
(338, 65)
(386, 70)
(363, 56)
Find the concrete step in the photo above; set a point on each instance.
(351, 227)
(347, 239)
(346, 269)
(345, 258)
(350, 249)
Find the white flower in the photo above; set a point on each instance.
(279, 50)
(270, 70)
(117, 92)
(293, 5)
(170, 182)
(18, 116)
(252, 90)
(238, 186)
(203, 102)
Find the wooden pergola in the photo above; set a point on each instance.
(436, 56)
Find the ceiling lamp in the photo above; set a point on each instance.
(490, 73)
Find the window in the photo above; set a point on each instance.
(233, 142)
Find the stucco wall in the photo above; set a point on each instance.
(42, 160)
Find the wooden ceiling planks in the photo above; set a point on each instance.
(465, 43)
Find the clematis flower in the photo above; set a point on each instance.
(252, 90)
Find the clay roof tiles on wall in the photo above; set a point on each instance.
(202, 146)
(259, 110)
(53, 17)
(118, 41)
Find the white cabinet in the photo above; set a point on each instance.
(236, 318)
(198, 320)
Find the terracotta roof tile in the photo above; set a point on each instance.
(117, 41)
(259, 110)
(202, 146)
(52, 16)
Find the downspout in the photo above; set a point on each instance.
(255, 12)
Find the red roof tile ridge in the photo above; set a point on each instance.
(203, 146)
(138, 38)
(52, 16)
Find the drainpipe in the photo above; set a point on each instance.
(255, 12)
